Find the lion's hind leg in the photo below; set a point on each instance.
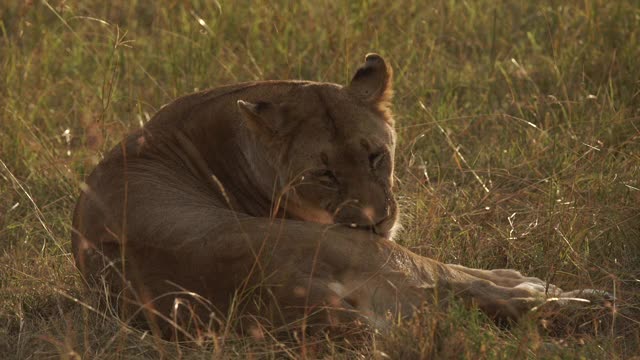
(499, 302)
(507, 294)
(511, 278)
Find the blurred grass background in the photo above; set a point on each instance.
(519, 147)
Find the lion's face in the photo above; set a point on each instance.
(340, 167)
(333, 148)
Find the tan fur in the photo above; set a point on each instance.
(272, 199)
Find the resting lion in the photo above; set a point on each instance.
(273, 200)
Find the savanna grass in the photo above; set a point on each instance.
(519, 147)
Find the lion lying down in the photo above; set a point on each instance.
(271, 199)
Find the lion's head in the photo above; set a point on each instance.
(333, 148)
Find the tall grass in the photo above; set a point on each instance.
(519, 146)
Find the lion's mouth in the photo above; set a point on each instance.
(382, 228)
(369, 228)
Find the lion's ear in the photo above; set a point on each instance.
(372, 81)
(262, 118)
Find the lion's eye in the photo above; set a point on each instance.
(326, 177)
(376, 159)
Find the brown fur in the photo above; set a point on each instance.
(271, 199)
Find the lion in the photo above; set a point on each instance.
(271, 200)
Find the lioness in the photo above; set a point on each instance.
(272, 199)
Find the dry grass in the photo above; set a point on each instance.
(519, 131)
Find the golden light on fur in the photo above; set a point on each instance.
(275, 199)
